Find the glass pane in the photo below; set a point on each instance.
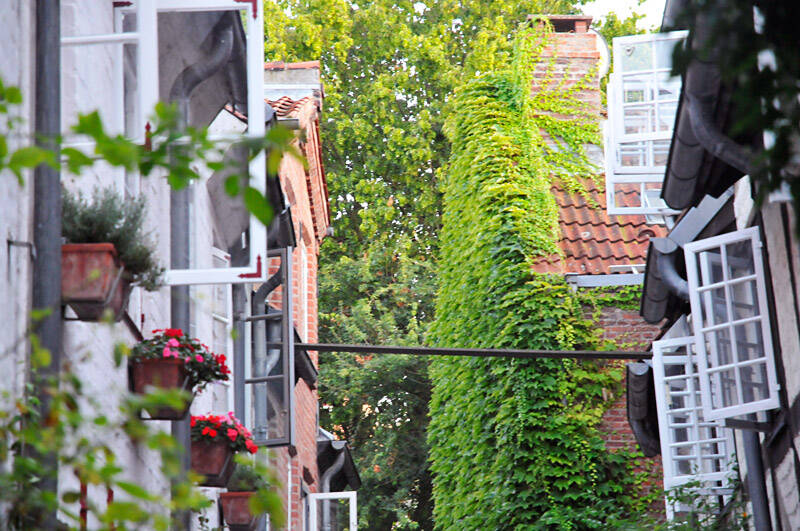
(266, 361)
(754, 382)
(632, 154)
(333, 515)
(638, 119)
(269, 413)
(669, 87)
(740, 259)
(666, 116)
(638, 56)
(744, 300)
(749, 342)
(664, 50)
(660, 152)
(723, 388)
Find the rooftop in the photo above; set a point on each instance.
(592, 242)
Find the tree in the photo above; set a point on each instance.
(389, 70)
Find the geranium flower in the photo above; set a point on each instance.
(232, 434)
(173, 332)
(251, 446)
(173, 343)
(199, 358)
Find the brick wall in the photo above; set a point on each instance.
(630, 332)
(307, 195)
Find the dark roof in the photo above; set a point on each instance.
(641, 406)
(328, 451)
(703, 160)
(591, 240)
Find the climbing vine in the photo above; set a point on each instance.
(514, 443)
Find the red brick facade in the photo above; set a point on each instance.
(307, 196)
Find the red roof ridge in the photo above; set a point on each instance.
(300, 65)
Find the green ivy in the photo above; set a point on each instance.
(514, 444)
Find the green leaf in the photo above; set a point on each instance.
(258, 205)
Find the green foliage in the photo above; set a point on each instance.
(389, 70)
(514, 443)
(107, 218)
(245, 478)
(707, 512)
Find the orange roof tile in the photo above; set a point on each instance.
(285, 105)
(591, 240)
(280, 65)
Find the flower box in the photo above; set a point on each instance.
(215, 438)
(172, 360)
(92, 281)
(167, 373)
(214, 461)
(236, 511)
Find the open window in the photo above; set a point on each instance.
(696, 452)
(730, 316)
(642, 103)
(332, 511)
(145, 51)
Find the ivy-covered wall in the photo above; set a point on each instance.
(514, 444)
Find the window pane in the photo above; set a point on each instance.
(636, 56)
(638, 119)
(333, 515)
(754, 382)
(744, 300)
(740, 259)
(269, 414)
(664, 49)
(633, 154)
(749, 344)
(723, 388)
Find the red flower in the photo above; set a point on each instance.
(212, 433)
(232, 434)
(206, 430)
(193, 422)
(173, 332)
(251, 446)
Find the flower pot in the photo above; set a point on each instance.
(167, 373)
(236, 511)
(213, 460)
(92, 281)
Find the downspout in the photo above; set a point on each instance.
(325, 486)
(180, 304)
(47, 224)
(756, 488)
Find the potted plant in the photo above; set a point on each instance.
(243, 485)
(105, 251)
(172, 360)
(215, 438)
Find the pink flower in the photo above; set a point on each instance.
(232, 434)
(199, 358)
(251, 447)
(169, 353)
(173, 342)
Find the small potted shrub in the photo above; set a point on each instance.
(105, 251)
(243, 485)
(172, 360)
(215, 438)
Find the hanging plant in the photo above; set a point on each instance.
(215, 438)
(172, 360)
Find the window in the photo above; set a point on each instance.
(269, 366)
(112, 62)
(642, 102)
(334, 511)
(731, 324)
(693, 448)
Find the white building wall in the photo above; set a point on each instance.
(88, 84)
(16, 258)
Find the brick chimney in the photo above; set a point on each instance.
(576, 50)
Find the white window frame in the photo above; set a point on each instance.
(708, 361)
(344, 495)
(714, 483)
(146, 39)
(614, 131)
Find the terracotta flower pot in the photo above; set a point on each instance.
(92, 280)
(214, 460)
(236, 511)
(167, 373)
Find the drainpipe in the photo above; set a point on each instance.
(180, 304)
(325, 486)
(47, 221)
(756, 488)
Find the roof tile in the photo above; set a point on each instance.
(591, 240)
